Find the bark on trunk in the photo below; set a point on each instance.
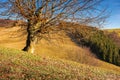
(30, 44)
(31, 40)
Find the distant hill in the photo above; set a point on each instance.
(6, 22)
(113, 30)
(11, 23)
(114, 34)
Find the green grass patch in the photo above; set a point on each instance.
(19, 65)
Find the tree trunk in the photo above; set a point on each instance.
(31, 40)
(30, 44)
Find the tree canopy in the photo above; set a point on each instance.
(41, 15)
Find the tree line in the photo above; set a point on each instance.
(99, 42)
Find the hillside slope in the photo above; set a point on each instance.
(15, 64)
(113, 30)
(60, 46)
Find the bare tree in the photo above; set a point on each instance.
(41, 15)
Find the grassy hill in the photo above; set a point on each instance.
(114, 34)
(15, 64)
(114, 30)
(57, 59)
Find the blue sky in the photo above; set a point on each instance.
(114, 7)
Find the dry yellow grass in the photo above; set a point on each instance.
(18, 65)
(61, 47)
(114, 30)
(11, 37)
